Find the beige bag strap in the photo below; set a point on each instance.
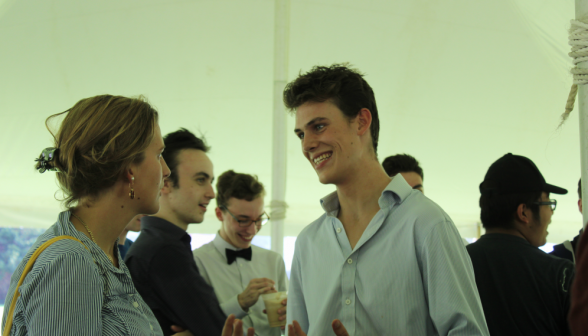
(26, 271)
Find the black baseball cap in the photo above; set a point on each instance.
(514, 174)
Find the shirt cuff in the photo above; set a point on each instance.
(232, 306)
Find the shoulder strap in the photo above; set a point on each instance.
(26, 271)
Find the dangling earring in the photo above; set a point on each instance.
(132, 193)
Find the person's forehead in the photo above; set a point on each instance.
(312, 110)
(241, 206)
(412, 178)
(194, 160)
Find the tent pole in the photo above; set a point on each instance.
(582, 14)
(281, 44)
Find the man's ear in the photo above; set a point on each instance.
(219, 214)
(168, 185)
(364, 121)
(522, 214)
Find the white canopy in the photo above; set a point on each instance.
(458, 83)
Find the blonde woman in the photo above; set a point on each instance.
(107, 157)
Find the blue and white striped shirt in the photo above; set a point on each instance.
(73, 291)
(409, 274)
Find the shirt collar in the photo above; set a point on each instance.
(165, 228)
(395, 192)
(221, 244)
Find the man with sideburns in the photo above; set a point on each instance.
(161, 261)
(383, 258)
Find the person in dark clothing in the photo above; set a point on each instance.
(161, 262)
(567, 249)
(524, 291)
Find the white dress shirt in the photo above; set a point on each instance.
(409, 273)
(231, 280)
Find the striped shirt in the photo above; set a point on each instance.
(73, 291)
(409, 274)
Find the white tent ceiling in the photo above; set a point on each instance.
(458, 84)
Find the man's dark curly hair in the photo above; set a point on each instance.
(175, 142)
(342, 85)
(402, 163)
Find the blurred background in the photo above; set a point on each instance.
(458, 83)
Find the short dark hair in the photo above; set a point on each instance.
(237, 185)
(342, 85)
(402, 163)
(497, 211)
(580, 188)
(175, 142)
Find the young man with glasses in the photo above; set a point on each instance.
(238, 271)
(524, 291)
(161, 262)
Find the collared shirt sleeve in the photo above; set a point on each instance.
(65, 282)
(450, 285)
(296, 303)
(283, 280)
(186, 293)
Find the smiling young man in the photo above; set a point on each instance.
(161, 261)
(524, 291)
(383, 259)
(238, 271)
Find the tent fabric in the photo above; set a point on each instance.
(458, 84)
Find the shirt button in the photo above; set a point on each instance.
(348, 301)
(135, 304)
(350, 261)
(338, 230)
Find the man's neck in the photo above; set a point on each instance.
(512, 232)
(359, 195)
(170, 216)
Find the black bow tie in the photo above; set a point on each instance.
(232, 254)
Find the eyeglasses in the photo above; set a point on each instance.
(552, 203)
(262, 220)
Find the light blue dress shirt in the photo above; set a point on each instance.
(409, 274)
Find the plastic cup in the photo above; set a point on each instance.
(273, 302)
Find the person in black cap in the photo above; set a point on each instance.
(524, 291)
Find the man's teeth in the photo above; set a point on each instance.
(322, 158)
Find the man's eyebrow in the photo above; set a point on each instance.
(203, 174)
(313, 121)
(417, 186)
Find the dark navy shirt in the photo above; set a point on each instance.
(165, 274)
